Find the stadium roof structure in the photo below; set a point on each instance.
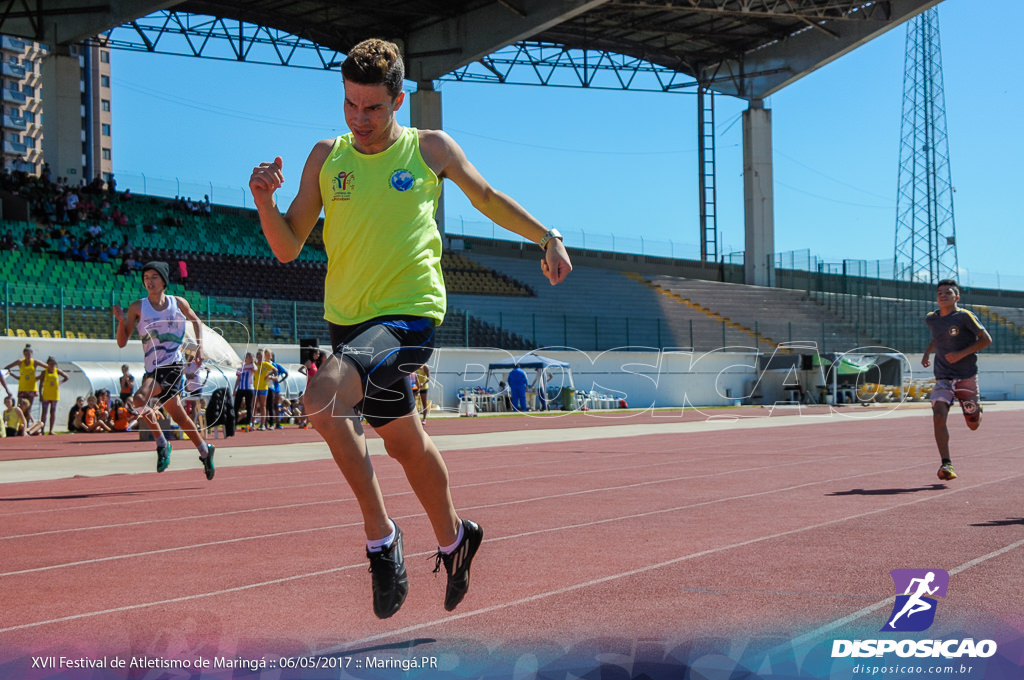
(744, 48)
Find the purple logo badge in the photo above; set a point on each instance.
(914, 609)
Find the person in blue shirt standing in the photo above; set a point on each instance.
(957, 337)
(274, 391)
(517, 382)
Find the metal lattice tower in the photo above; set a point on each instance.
(925, 230)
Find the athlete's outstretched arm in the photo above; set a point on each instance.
(126, 322)
(197, 324)
(448, 159)
(286, 234)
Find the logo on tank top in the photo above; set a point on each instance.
(402, 180)
(954, 331)
(343, 183)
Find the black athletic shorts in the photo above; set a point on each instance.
(170, 379)
(385, 351)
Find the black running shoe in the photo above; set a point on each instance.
(208, 461)
(163, 457)
(390, 582)
(457, 564)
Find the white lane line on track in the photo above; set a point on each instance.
(338, 481)
(127, 463)
(537, 596)
(340, 526)
(677, 560)
(292, 506)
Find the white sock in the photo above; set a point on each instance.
(381, 543)
(204, 450)
(449, 549)
(161, 440)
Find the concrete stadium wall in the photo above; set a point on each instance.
(666, 379)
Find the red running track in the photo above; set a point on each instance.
(743, 532)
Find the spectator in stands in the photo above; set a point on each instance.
(128, 264)
(160, 321)
(32, 426)
(63, 245)
(244, 392)
(39, 243)
(8, 242)
(50, 379)
(91, 419)
(540, 385)
(118, 218)
(27, 366)
(194, 385)
(274, 390)
(126, 384)
(284, 411)
(103, 405)
(503, 397)
(517, 382)
(71, 207)
(421, 383)
(75, 416)
(261, 379)
(14, 419)
(121, 419)
(299, 414)
(389, 229)
(957, 337)
(60, 208)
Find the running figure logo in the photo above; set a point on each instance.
(914, 610)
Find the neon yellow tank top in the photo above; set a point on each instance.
(51, 386)
(383, 247)
(11, 419)
(27, 376)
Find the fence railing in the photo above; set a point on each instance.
(847, 322)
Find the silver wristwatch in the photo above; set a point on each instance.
(552, 233)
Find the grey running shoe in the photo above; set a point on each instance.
(457, 564)
(390, 582)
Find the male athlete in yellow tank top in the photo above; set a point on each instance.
(383, 295)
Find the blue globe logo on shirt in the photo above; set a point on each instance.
(402, 180)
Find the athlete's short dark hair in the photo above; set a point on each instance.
(948, 282)
(375, 62)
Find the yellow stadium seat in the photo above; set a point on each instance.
(10, 332)
(56, 334)
(21, 333)
(45, 333)
(33, 333)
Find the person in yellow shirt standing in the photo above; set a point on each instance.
(26, 375)
(264, 371)
(50, 378)
(378, 187)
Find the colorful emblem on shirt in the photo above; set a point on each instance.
(343, 184)
(402, 180)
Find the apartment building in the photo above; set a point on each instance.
(22, 127)
(57, 109)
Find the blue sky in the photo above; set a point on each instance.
(619, 169)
